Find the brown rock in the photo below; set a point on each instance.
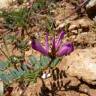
(5, 3)
(86, 38)
(82, 64)
(83, 23)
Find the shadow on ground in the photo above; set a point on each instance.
(61, 83)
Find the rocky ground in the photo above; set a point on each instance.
(76, 73)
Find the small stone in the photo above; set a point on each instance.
(84, 88)
(84, 22)
(29, 43)
(72, 27)
(44, 76)
(91, 4)
(62, 25)
(94, 19)
(5, 3)
(48, 75)
(74, 32)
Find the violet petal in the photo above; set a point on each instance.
(59, 40)
(65, 49)
(36, 45)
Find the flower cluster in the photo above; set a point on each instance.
(56, 49)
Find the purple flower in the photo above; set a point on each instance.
(56, 49)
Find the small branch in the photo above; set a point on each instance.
(4, 53)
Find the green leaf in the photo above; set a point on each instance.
(11, 76)
(20, 72)
(44, 60)
(10, 38)
(33, 60)
(17, 73)
(4, 77)
(3, 64)
(32, 75)
(24, 66)
(55, 62)
(16, 18)
(13, 72)
(39, 5)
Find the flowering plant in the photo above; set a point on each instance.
(57, 48)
